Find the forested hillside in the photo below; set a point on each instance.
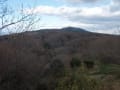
(60, 59)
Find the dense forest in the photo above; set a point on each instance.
(60, 59)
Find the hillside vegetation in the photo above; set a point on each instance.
(65, 59)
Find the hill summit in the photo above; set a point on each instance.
(74, 29)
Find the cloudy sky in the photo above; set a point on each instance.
(94, 15)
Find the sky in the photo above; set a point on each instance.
(93, 15)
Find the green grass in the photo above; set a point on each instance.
(109, 69)
(83, 79)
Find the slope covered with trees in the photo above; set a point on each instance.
(59, 60)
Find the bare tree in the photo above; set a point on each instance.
(19, 21)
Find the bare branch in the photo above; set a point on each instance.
(19, 21)
(12, 23)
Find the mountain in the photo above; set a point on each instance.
(35, 60)
(74, 29)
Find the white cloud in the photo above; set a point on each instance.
(95, 14)
(50, 10)
(103, 18)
